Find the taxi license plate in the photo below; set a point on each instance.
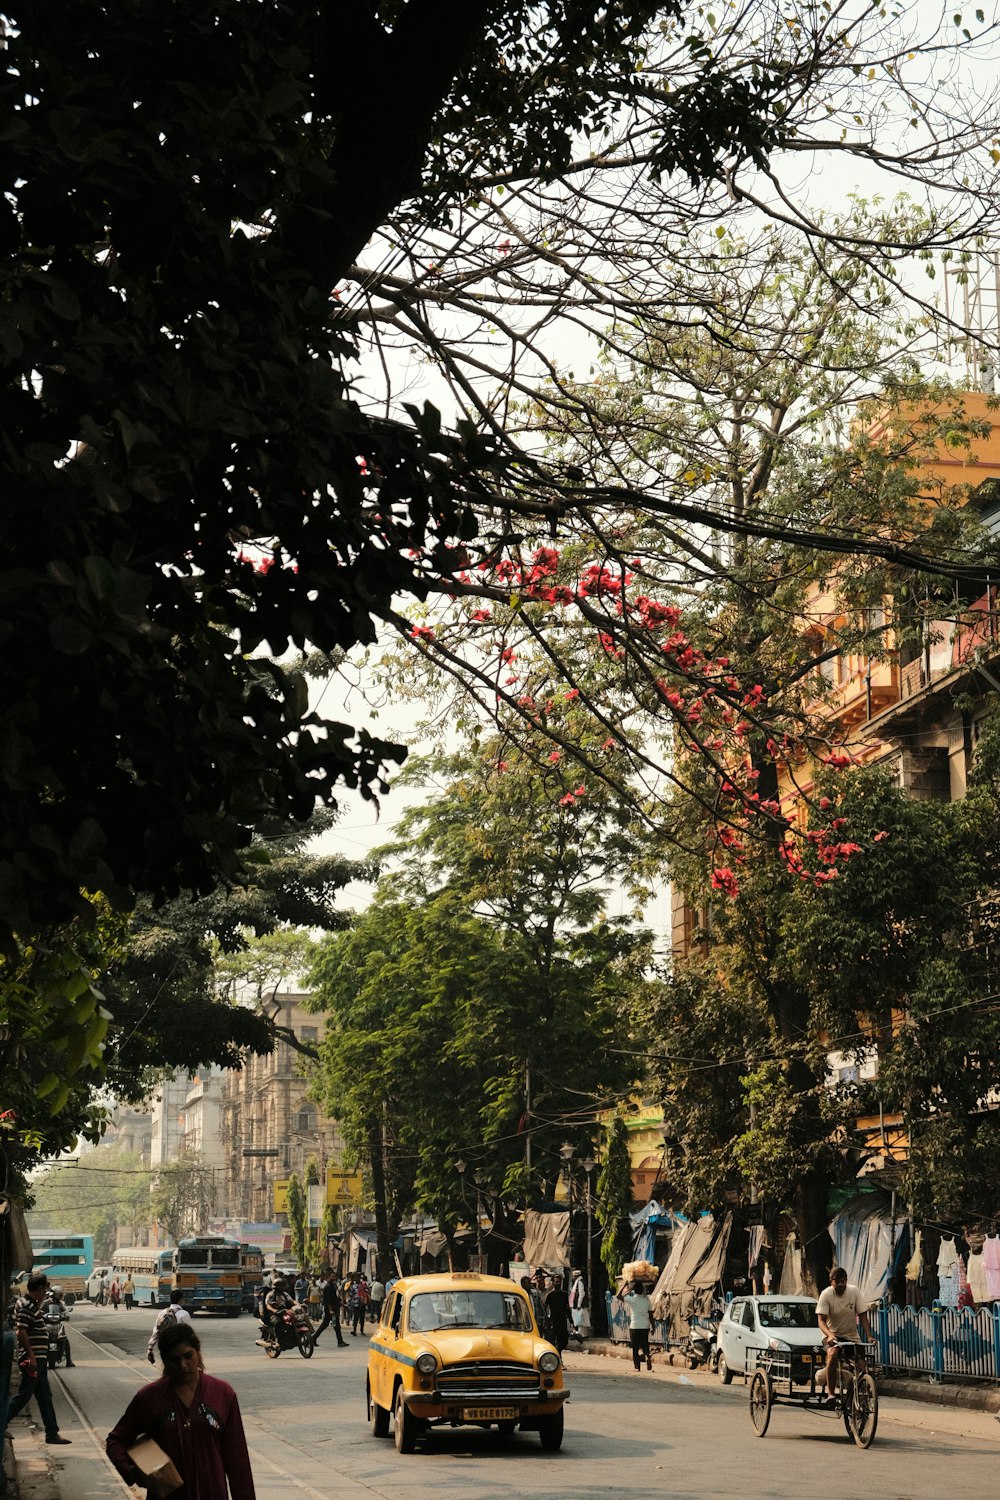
(489, 1413)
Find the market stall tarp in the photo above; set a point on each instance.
(644, 1224)
(431, 1242)
(546, 1239)
(862, 1236)
(692, 1272)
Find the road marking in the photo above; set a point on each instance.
(122, 1357)
(91, 1432)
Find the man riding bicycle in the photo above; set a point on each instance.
(839, 1310)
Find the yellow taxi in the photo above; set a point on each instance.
(459, 1349)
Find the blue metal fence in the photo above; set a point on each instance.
(940, 1342)
(618, 1323)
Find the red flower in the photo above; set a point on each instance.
(723, 879)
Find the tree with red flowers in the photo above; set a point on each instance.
(204, 214)
(695, 672)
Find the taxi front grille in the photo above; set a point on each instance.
(488, 1377)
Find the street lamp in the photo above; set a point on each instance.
(566, 1152)
(460, 1167)
(588, 1166)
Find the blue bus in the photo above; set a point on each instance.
(152, 1273)
(253, 1274)
(209, 1270)
(66, 1258)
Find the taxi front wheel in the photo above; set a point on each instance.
(550, 1430)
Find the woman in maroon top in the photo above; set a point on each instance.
(194, 1418)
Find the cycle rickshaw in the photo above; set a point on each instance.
(784, 1376)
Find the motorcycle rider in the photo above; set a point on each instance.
(55, 1308)
(277, 1302)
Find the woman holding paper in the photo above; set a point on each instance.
(194, 1419)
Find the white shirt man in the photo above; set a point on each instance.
(839, 1310)
(175, 1313)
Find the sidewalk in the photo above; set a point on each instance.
(980, 1397)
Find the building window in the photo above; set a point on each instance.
(306, 1121)
(308, 1034)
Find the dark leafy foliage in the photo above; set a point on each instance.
(173, 389)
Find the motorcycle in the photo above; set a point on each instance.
(57, 1341)
(702, 1345)
(293, 1330)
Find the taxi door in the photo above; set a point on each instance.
(383, 1342)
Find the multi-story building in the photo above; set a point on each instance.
(265, 1109)
(915, 708)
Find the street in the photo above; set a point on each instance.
(626, 1434)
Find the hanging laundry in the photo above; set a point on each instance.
(915, 1264)
(977, 1279)
(991, 1264)
(948, 1274)
(792, 1283)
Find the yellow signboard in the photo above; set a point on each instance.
(281, 1195)
(342, 1187)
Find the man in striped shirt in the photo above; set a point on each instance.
(32, 1341)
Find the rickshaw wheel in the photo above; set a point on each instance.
(761, 1401)
(861, 1409)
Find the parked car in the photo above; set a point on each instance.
(462, 1349)
(755, 1322)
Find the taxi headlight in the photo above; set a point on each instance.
(426, 1364)
(548, 1362)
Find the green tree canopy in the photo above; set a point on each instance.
(189, 473)
(885, 965)
(615, 1201)
(175, 986)
(445, 1042)
(104, 1191)
(182, 1196)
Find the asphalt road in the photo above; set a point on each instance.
(627, 1434)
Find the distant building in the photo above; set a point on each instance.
(265, 1109)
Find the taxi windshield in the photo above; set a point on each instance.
(430, 1311)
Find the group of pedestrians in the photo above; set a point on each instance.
(343, 1304)
(193, 1418)
(114, 1290)
(560, 1314)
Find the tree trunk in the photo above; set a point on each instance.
(377, 1160)
(811, 1214)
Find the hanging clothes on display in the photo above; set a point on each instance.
(991, 1264)
(794, 1274)
(914, 1271)
(978, 1285)
(755, 1249)
(948, 1275)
